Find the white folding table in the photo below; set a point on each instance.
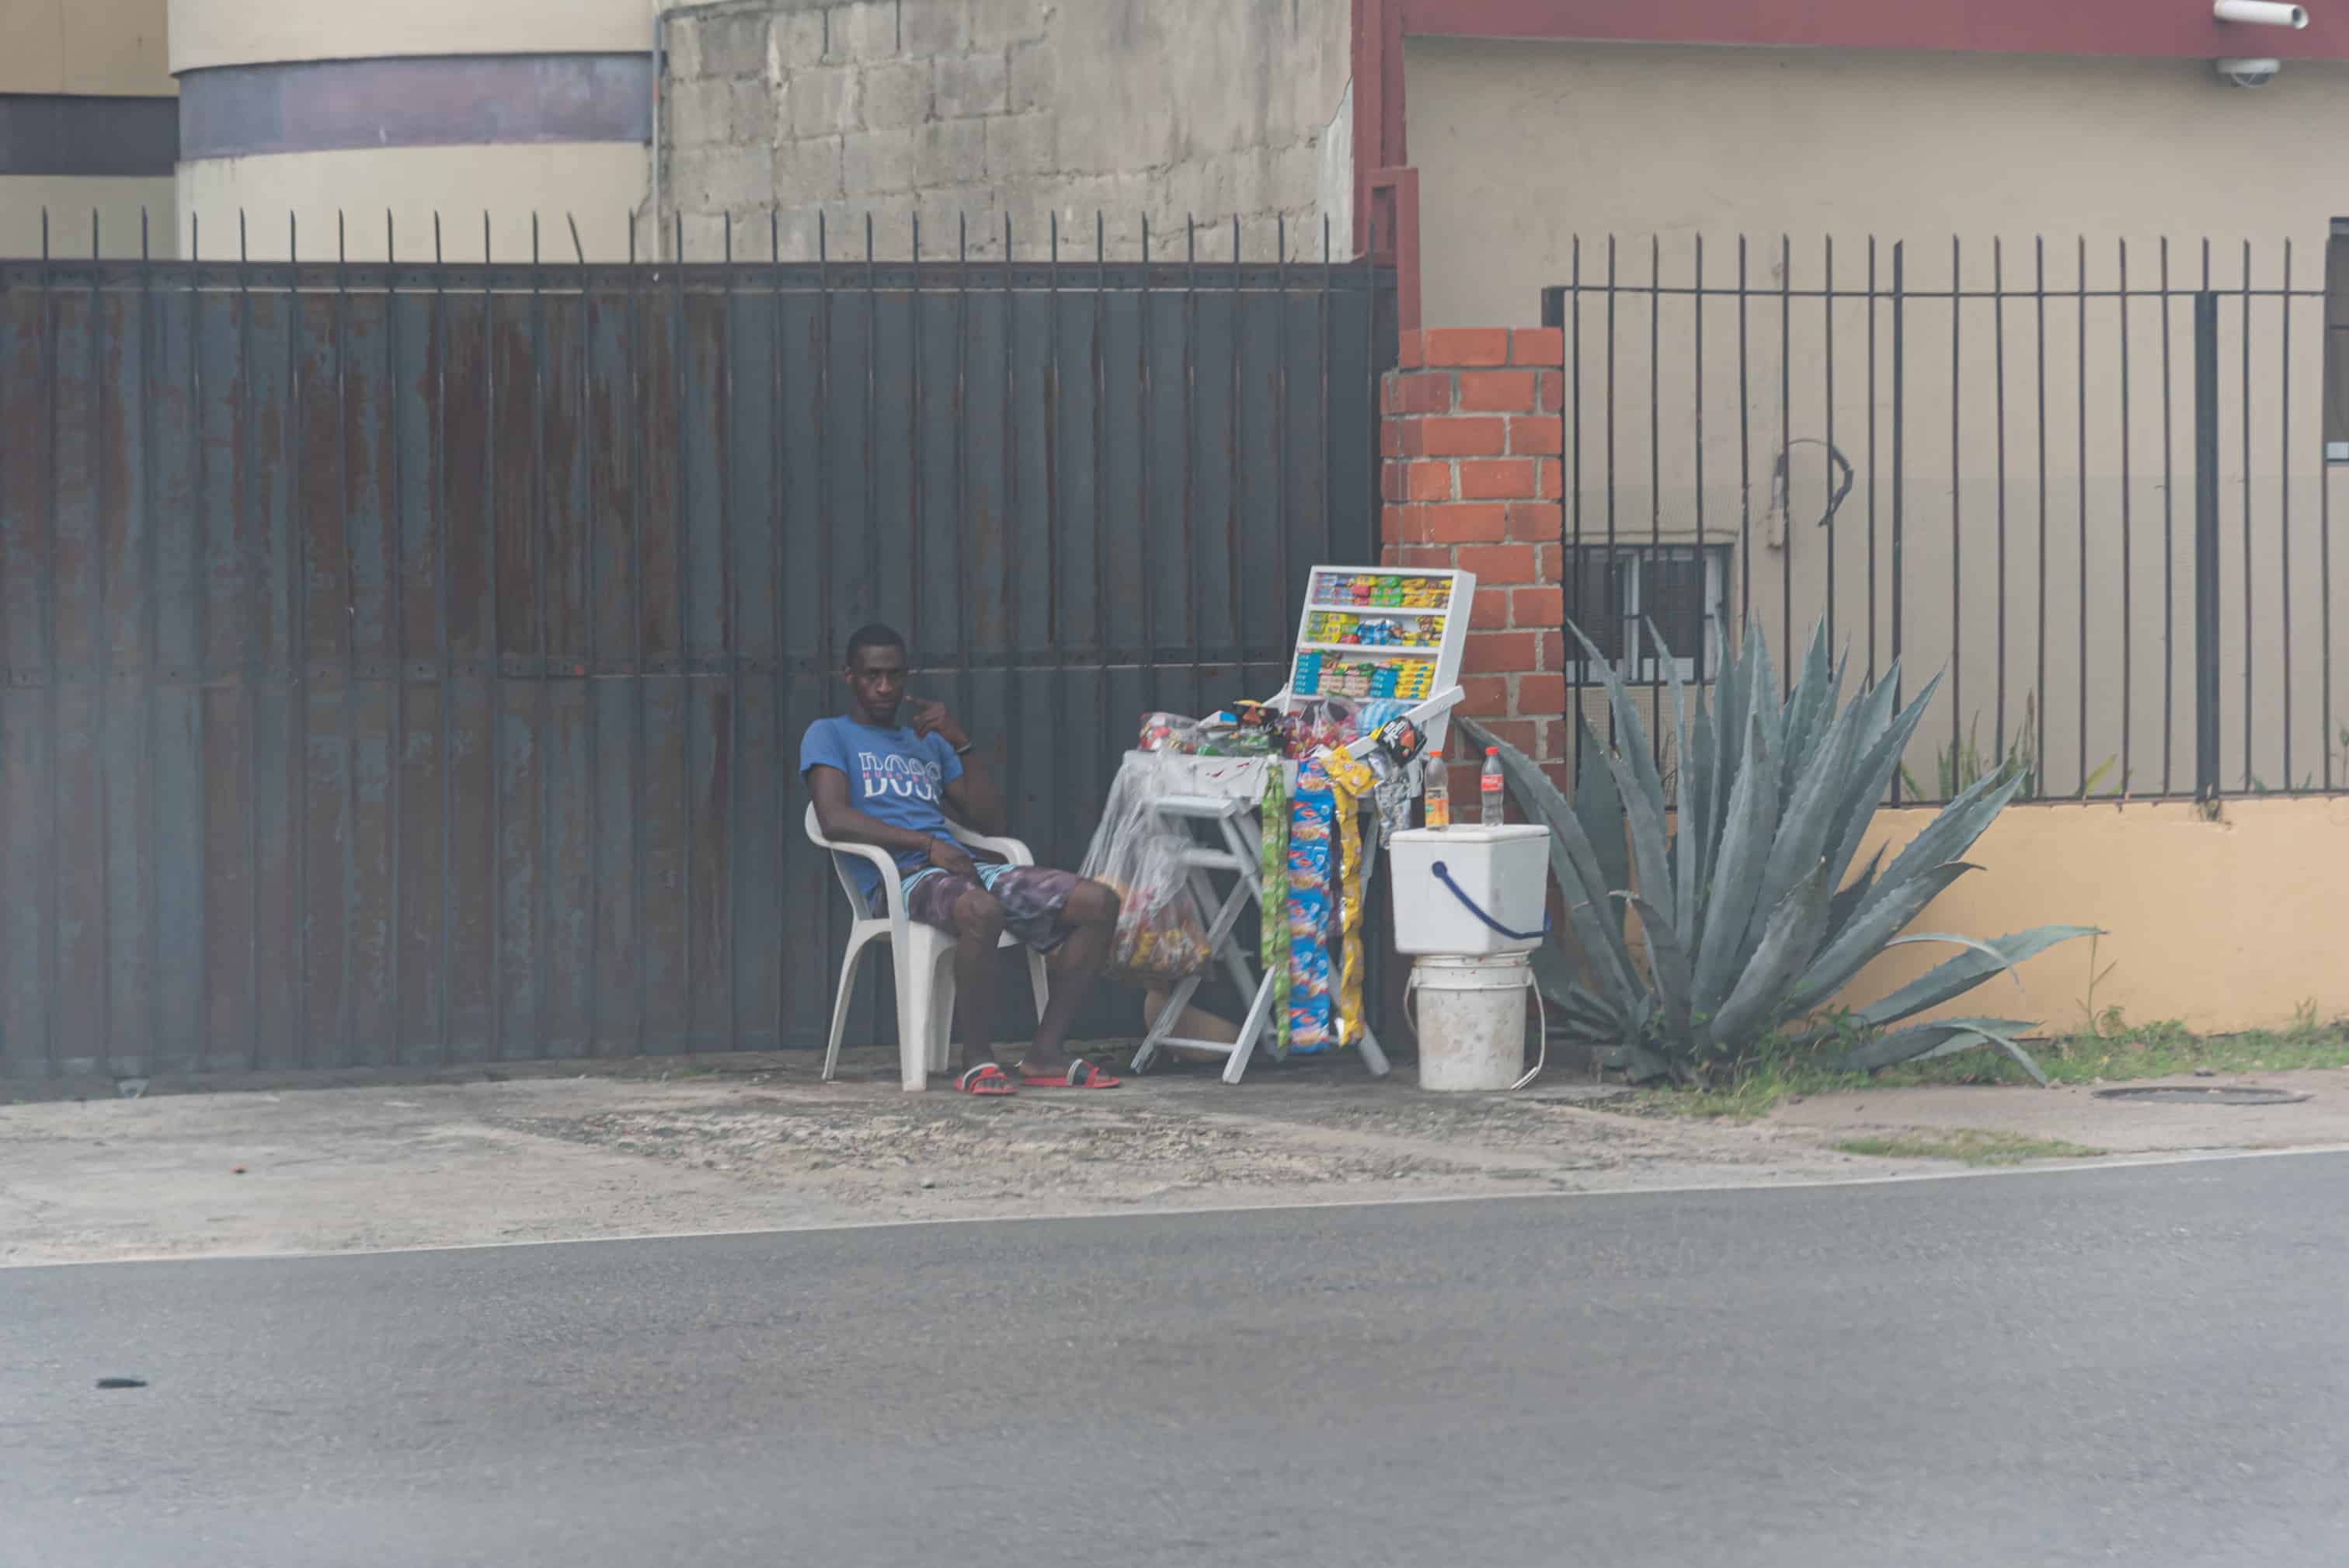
(1227, 842)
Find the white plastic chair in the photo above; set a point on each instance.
(922, 955)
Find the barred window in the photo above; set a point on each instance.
(1613, 593)
(2337, 343)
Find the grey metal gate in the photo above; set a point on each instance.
(405, 665)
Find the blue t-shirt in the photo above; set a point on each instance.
(894, 775)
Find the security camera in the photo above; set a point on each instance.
(2249, 73)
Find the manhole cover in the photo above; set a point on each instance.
(2216, 1094)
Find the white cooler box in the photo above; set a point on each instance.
(1504, 870)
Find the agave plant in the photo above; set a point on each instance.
(1750, 920)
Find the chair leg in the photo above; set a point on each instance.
(939, 1031)
(917, 1000)
(856, 950)
(1036, 974)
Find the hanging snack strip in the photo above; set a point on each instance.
(1273, 948)
(1312, 843)
(1347, 894)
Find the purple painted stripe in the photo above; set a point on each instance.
(88, 137)
(446, 100)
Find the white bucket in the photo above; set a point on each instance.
(1471, 1021)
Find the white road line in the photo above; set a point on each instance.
(2069, 1168)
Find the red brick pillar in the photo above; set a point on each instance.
(1472, 480)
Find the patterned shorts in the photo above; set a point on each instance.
(1034, 899)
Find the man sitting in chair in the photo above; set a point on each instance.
(878, 781)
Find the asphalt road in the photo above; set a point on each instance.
(2136, 1366)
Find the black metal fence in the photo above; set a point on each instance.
(405, 664)
(2088, 485)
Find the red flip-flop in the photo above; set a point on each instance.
(988, 1080)
(1081, 1073)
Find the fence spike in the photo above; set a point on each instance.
(485, 239)
(342, 244)
(578, 249)
(391, 249)
(680, 238)
(193, 222)
(94, 244)
(292, 237)
(917, 243)
(244, 250)
(436, 237)
(726, 246)
(1236, 239)
(775, 234)
(143, 256)
(1055, 227)
(869, 236)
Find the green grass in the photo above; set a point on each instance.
(1968, 1145)
(2113, 1049)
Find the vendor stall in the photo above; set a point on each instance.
(1290, 799)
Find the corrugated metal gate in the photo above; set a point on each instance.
(406, 664)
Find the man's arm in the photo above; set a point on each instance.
(977, 802)
(843, 823)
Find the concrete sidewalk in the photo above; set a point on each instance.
(559, 1150)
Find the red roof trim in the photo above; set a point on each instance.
(2171, 29)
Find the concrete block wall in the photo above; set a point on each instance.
(970, 111)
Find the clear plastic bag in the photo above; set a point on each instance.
(1161, 936)
(1168, 732)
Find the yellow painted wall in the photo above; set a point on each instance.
(248, 32)
(99, 48)
(2224, 925)
(597, 182)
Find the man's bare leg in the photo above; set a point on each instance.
(978, 926)
(1091, 919)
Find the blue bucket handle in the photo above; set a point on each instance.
(1444, 875)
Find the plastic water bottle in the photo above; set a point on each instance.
(1489, 788)
(1436, 794)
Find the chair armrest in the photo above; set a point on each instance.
(1013, 851)
(893, 882)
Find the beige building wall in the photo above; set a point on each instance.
(1526, 148)
(592, 183)
(2230, 925)
(92, 48)
(69, 201)
(244, 32)
(983, 108)
(514, 171)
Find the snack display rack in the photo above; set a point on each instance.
(1394, 633)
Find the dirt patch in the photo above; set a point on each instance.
(465, 1156)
